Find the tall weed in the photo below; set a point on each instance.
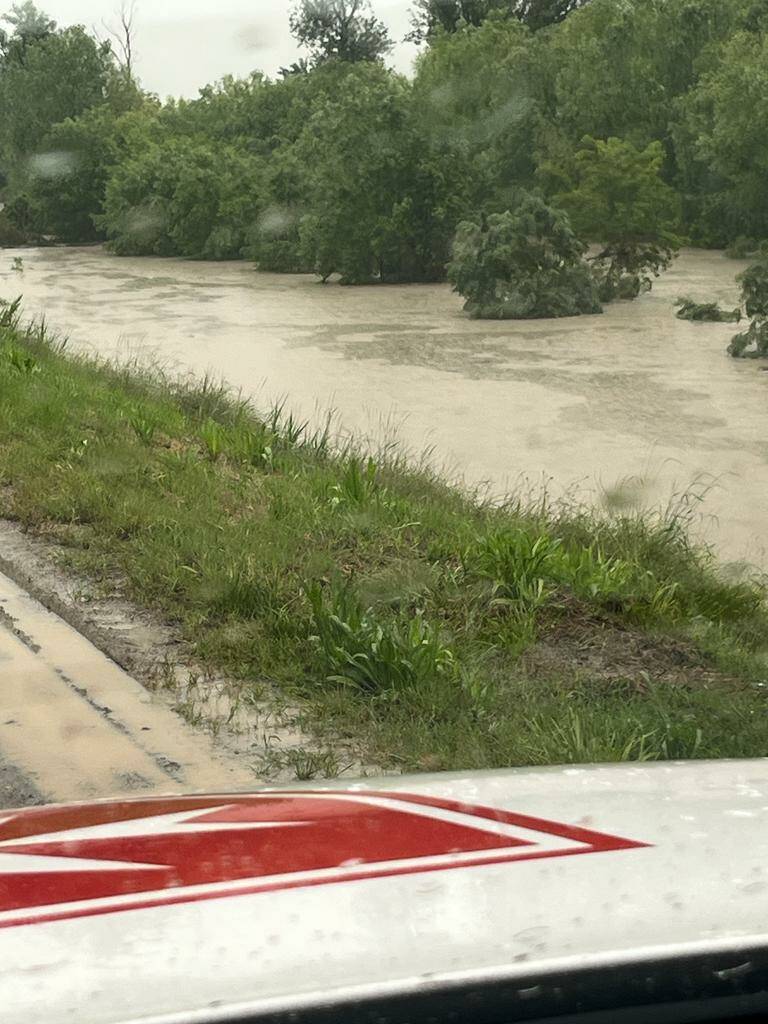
(372, 657)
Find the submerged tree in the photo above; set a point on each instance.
(522, 264)
(742, 248)
(620, 201)
(338, 30)
(753, 342)
(706, 312)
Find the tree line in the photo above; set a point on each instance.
(641, 120)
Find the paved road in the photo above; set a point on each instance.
(75, 726)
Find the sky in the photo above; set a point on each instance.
(183, 44)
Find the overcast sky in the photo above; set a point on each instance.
(183, 44)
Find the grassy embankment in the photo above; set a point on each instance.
(436, 631)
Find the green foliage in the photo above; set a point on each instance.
(753, 343)
(618, 68)
(183, 197)
(429, 17)
(357, 487)
(529, 571)
(276, 250)
(619, 200)
(10, 234)
(742, 248)
(343, 30)
(522, 264)
(754, 288)
(19, 361)
(20, 220)
(517, 565)
(29, 25)
(143, 424)
(750, 344)
(377, 658)
(65, 183)
(369, 200)
(640, 119)
(49, 76)
(719, 144)
(706, 311)
(477, 106)
(62, 74)
(10, 314)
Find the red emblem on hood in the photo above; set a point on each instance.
(68, 862)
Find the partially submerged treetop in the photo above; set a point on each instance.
(754, 287)
(705, 312)
(522, 264)
(753, 342)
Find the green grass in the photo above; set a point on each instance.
(434, 630)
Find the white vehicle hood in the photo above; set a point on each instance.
(200, 908)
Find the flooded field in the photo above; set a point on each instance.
(631, 406)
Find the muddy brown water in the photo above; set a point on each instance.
(633, 406)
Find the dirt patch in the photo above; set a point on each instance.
(268, 731)
(579, 644)
(15, 789)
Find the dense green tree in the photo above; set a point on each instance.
(616, 69)
(477, 101)
(428, 17)
(522, 264)
(722, 147)
(47, 75)
(618, 199)
(168, 166)
(64, 185)
(246, 112)
(372, 206)
(28, 25)
(754, 288)
(280, 130)
(61, 75)
(339, 30)
(185, 197)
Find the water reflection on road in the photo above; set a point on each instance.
(584, 403)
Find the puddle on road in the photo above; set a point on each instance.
(582, 405)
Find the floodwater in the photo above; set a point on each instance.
(633, 406)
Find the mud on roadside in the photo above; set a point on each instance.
(265, 730)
